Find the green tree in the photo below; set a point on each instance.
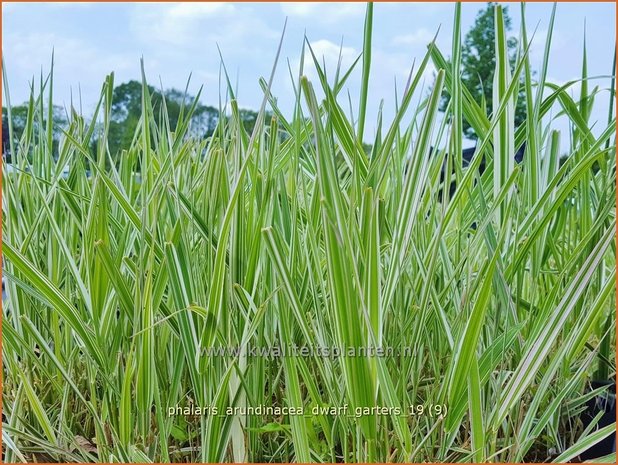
(478, 60)
(19, 120)
(127, 110)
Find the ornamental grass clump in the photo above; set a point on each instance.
(494, 306)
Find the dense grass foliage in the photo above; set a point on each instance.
(503, 293)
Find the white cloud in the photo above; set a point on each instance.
(16, 6)
(419, 37)
(198, 24)
(176, 23)
(71, 5)
(199, 10)
(75, 55)
(79, 67)
(330, 52)
(328, 55)
(324, 12)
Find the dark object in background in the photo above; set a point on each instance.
(467, 155)
(606, 403)
(5, 138)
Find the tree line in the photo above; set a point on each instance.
(125, 114)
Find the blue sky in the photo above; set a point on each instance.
(177, 39)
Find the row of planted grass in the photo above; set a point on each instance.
(294, 235)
